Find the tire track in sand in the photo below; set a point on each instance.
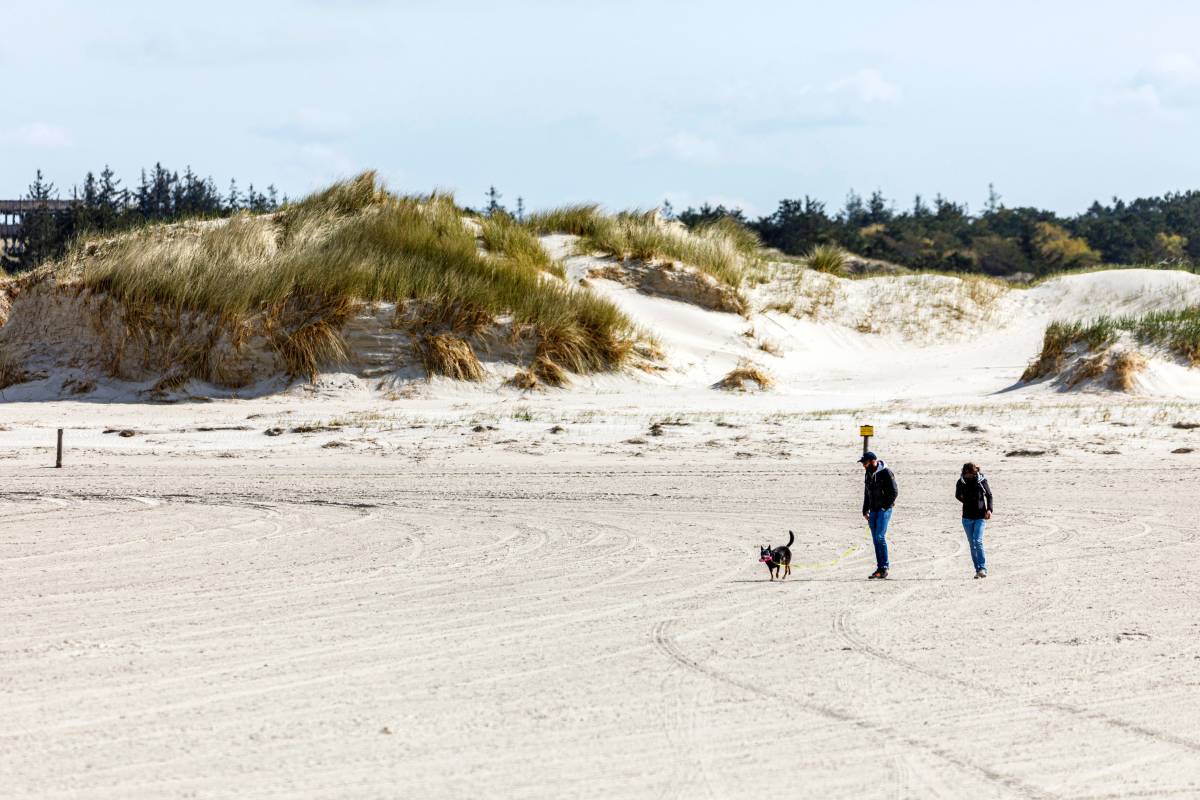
(665, 642)
(844, 628)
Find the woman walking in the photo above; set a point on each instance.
(975, 495)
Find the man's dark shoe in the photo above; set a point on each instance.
(882, 574)
(879, 573)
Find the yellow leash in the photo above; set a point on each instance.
(826, 564)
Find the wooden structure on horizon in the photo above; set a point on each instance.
(12, 220)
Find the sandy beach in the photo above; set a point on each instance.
(438, 611)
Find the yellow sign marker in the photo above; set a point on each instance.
(866, 430)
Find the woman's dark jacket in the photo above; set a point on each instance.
(975, 496)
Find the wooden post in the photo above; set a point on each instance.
(58, 461)
(866, 431)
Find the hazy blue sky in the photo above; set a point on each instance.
(621, 102)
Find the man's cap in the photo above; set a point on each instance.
(868, 456)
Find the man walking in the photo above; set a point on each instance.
(879, 495)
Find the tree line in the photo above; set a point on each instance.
(102, 204)
(941, 235)
(1000, 240)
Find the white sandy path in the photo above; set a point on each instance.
(570, 630)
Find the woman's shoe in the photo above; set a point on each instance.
(980, 573)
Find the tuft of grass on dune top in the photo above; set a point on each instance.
(354, 242)
(1177, 331)
(723, 249)
(827, 258)
(585, 219)
(505, 236)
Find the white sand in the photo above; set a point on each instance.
(426, 610)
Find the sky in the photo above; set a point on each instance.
(740, 102)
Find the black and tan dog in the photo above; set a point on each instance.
(778, 559)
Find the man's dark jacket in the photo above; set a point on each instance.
(880, 491)
(975, 496)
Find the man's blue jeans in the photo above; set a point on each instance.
(974, 529)
(878, 520)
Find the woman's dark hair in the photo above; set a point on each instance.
(970, 468)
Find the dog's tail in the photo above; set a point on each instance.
(791, 538)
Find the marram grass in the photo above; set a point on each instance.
(827, 258)
(1176, 331)
(506, 237)
(307, 265)
(724, 249)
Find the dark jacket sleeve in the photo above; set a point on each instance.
(891, 490)
(958, 490)
(866, 496)
(987, 492)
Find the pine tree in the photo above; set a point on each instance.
(854, 212)
(920, 209)
(235, 200)
(110, 196)
(181, 201)
(143, 198)
(213, 204)
(39, 225)
(993, 204)
(161, 193)
(91, 192)
(878, 210)
(493, 205)
(520, 209)
(256, 201)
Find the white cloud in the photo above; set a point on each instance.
(330, 162)
(683, 146)
(1141, 96)
(868, 86)
(309, 124)
(1175, 69)
(41, 135)
(1169, 84)
(689, 147)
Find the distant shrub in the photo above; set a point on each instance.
(1060, 250)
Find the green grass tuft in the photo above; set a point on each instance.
(1176, 331)
(505, 236)
(355, 242)
(579, 220)
(828, 258)
(723, 249)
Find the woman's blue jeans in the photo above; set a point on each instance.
(878, 520)
(974, 529)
